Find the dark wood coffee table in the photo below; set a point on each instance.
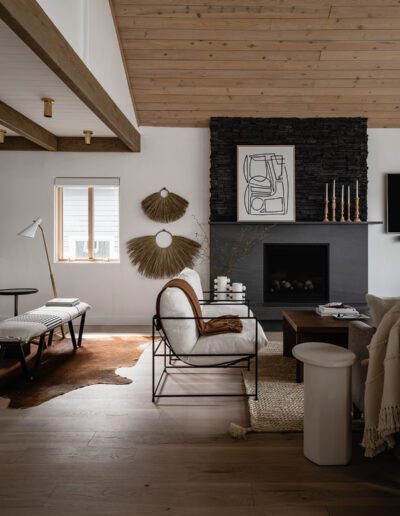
(307, 326)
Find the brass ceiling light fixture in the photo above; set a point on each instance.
(88, 136)
(48, 107)
(3, 133)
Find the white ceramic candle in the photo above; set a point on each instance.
(334, 189)
(342, 194)
(348, 195)
(357, 189)
(326, 191)
(222, 287)
(238, 292)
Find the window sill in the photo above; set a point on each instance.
(88, 261)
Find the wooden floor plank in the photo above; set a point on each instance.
(107, 450)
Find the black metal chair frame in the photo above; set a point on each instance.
(161, 347)
(42, 345)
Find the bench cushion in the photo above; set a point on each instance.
(27, 326)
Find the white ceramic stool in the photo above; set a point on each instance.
(327, 402)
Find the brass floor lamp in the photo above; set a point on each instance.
(30, 232)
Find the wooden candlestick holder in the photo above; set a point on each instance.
(333, 209)
(326, 210)
(348, 212)
(357, 214)
(342, 219)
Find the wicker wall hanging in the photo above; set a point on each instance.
(164, 206)
(158, 262)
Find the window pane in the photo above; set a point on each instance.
(75, 222)
(106, 223)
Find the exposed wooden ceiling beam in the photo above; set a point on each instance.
(18, 143)
(66, 144)
(28, 20)
(98, 144)
(24, 126)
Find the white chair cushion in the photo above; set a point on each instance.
(193, 279)
(182, 334)
(227, 343)
(216, 309)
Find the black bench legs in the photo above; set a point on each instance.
(75, 343)
(31, 372)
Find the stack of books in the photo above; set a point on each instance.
(63, 301)
(332, 309)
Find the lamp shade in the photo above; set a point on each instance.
(30, 231)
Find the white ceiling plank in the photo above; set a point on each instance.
(25, 79)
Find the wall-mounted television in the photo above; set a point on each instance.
(393, 203)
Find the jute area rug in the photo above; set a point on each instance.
(64, 370)
(280, 405)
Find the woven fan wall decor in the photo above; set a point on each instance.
(164, 206)
(158, 262)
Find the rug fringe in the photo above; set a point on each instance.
(239, 432)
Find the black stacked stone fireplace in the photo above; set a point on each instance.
(292, 265)
(296, 273)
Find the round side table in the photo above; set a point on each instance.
(327, 402)
(17, 292)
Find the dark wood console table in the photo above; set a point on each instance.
(307, 326)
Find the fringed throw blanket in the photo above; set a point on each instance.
(215, 326)
(382, 388)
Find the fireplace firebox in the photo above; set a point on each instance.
(296, 274)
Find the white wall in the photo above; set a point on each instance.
(68, 17)
(175, 158)
(384, 248)
(88, 26)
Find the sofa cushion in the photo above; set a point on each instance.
(379, 306)
(182, 334)
(193, 278)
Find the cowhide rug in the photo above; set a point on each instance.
(64, 370)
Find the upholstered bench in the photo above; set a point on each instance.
(38, 323)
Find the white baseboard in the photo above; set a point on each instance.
(116, 320)
(108, 320)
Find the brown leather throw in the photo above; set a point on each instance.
(214, 326)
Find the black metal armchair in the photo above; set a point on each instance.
(176, 344)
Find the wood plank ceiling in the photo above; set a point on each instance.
(188, 60)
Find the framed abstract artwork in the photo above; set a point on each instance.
(266, 183)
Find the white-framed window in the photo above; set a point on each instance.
(87, 219)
